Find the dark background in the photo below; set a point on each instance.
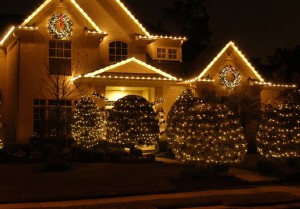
(258, 27)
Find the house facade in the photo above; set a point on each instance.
(69, 48)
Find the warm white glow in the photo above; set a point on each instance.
(133, 59)
(275, 85)
(239, 53)
(11, 30)
(28, 27)
(86, 16)
(133, 18)
(36, 12)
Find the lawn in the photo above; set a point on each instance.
(25, 183)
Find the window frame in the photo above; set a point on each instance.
(60, 54)
(168, 53)
(118, 55)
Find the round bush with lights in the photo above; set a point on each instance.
(88, 127)
(234, 73)
(279, 132)
(132, 121)
(209, 134)
(184, 102)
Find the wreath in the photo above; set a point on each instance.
(235, 81)
(60, 26)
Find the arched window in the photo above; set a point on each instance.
(118, 51)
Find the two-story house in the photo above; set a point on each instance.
(67, 48)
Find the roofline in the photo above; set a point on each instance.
(7, 35)
(239, 53)
(46, 2)
(132, 59)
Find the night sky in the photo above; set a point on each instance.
(256, 26)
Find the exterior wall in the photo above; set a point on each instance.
(164, 43)
(11, 92)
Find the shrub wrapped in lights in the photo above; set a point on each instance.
(88, 127)
(207, 134)
(184, 102)
(132, 121)
(279, 131)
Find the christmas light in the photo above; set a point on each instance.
(204, 133)
(88, 128)
(7, 35)
(223, 77)
(269, 84)
(132, 59)
(132, 121)
(230, 44)
(65, 23)
(279, 131)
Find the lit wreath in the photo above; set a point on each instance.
(54, 31)
(223, 77)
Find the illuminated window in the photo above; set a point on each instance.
(118, 51)
(166, 54)
(59, 57)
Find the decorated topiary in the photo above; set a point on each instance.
(209, 134)
(132, 121)
(279, 131)
(88, 127)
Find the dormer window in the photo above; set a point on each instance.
(167, 54)
(118, 51)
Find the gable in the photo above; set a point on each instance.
(131, 68)
(230, 55)
(49, 7)
(109, 15)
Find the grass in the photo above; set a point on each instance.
(25, 183)
(241, 200)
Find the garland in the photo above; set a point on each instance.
(223, 77)
(66, 28)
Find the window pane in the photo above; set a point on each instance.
(67, 53)
(124, 52)
(60, 44)
(67, 44)
(52, 53)
(60, 53)
(112, 51)
(52, 44)
(124, 45)
(118, 51)
(112, 59)
(118, 44)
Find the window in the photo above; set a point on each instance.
(161, 53)
(39, 118)
(172, 54)
(59, 57)
(166, 54)
(46, 114)
(118, 51)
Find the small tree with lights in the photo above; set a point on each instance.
(184, 102)
(205, 134)
(88, 127)
(132, 121)
(279, 131)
